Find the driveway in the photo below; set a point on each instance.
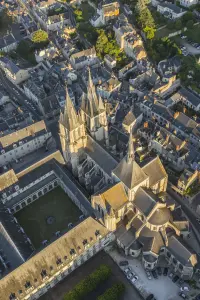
(163, 288)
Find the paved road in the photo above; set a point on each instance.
(188, 212)
(15, 93)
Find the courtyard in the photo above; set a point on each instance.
(47, 215)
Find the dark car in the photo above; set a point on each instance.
(150, 297)
(123, 263)
(155, 275)
(159, 270)
(175, 278)
(197, 297)
(165, 272)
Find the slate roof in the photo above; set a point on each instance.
(189, 96)
(144, 201)
(47, 259)
(155, 170)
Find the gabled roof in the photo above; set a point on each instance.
(46, 260)
(155, 171)
(115, 196)
(128, 171)
(129, 118)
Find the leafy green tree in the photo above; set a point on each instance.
(187, 17)
(40, 36)
(170, 25)
(145, 18)
(140, 6)
(190, 24)
(150, 32)
(178, 24)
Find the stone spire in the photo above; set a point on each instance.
(91, 97)
(131, 152)
(69, 118)
(101, 104)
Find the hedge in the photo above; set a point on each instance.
(113, 293)
(88, 284)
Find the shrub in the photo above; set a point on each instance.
(113, 293)
(88, 284)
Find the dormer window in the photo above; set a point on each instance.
(35, 280)
(72, 252)
(65, 257)
(85, 242)
(51, 268)
(20, 292)
(58, 261)
(97, 233)
(44, 274)
(12, 296)
(27, 285)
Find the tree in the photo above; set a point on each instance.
(187, 17)
(190, 24)
(40, 36)
(178, 24)
(145, 18)
(150, 32)
(140, 6)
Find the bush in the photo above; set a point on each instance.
(113, 293)
(40, 36)
(88, 284)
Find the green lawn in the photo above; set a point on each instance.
(56, 204)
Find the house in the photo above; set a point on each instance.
(189, 99)
(106, 11)
(170, 11)
(128, 39)
(50, 107)
(169, 67)
(13, 72)
(110, 61)
(8, 43)
(187, 178)
(108, 87)
(84, 58)
(188, 3)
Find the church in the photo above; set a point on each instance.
(128, 198)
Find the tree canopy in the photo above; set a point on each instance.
(145, 19)
(106, 44)
(40, 36)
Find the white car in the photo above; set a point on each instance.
(184, 289)
(148, 275)
(127, 270)
(130, 275)
(134, 279)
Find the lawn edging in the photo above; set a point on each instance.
(113, 293)
(89, 284)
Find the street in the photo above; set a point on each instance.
(15, 93)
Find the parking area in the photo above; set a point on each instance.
(162, 288)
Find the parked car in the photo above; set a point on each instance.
(165, 272)
(171, 275)
(134, 279)
(150, 297)
(148, 275)
(127, 270)
(130, 275)
(123, 263)
(184, 289)
(197, 297)
(155, 275)
(159, 270)
(182, 295)
(175, 278)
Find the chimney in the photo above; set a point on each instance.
(184, 110)
(146, 124)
